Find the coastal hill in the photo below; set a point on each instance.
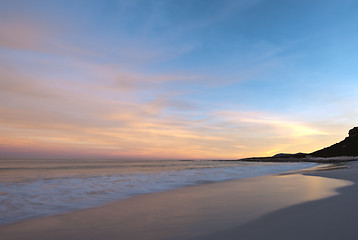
(346, 148)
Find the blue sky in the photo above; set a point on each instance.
(176, 79)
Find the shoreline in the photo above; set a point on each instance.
(328, 218)
(342, 159)
(30, 202)
(194, 211)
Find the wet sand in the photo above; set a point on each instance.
(329, 219)
(310, 205)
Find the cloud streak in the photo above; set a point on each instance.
(79, 117)
(162, 80)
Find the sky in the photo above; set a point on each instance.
(170, 79)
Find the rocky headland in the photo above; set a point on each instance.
(346, 150)
(347, 147)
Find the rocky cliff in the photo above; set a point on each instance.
(347, 147)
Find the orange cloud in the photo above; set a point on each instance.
(118, 111)
(56, 115)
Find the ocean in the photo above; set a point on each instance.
(35, 188)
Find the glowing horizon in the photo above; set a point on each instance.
(175, 79)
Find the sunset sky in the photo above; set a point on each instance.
(176, 79)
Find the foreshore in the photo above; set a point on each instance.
(315, 204)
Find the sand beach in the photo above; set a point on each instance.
(316, 204)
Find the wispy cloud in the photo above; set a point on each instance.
(161, 79)
(117, 113)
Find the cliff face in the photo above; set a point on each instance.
(353, 132)
(347, 147)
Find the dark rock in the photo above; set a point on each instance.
(353, 132)
(347, 147)
(289, 155)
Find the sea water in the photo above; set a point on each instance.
(34, 188)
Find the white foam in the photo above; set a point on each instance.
(41, 197)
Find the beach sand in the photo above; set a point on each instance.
(303, 205)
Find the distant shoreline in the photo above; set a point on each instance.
(298, 159)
